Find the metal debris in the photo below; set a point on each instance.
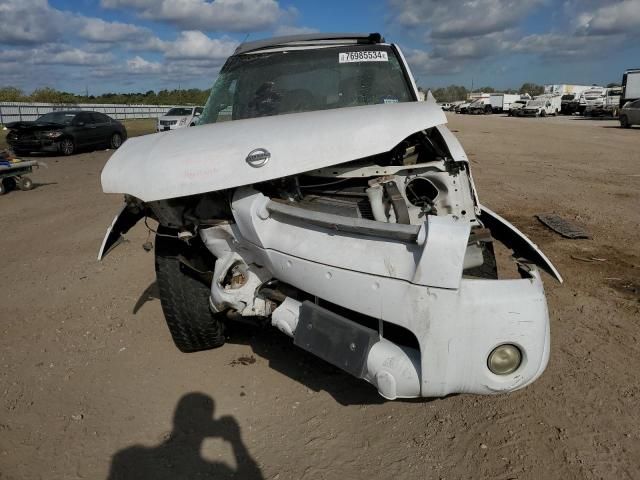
(562, 226)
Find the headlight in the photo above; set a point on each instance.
(54, 134)
(504, 359)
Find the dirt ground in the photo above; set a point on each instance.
(92, 387)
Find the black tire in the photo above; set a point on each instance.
(66, 146)
(25, 183)
(543, 113)
(116, 141)
(3, 188)
(185, 299)
(624, 122)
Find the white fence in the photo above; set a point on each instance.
(19, 111)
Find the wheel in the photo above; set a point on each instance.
(116, 141)
(624, 122)
(66, 146)
(543, 113)
(25, 183)
(3, 188)
(185, 299)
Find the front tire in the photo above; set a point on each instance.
(185, 299)
(624, 122)
(66, 147)
(116, 141)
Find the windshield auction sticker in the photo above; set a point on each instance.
(360, 56)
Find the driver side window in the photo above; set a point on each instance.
(82, 119)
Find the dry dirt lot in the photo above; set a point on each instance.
(92, 387)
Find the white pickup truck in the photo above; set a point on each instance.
(319, 196)
(542, 106)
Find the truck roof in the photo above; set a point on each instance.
(308, 38)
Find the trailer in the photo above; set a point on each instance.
(630, 86)
(14, 174)
(501, 102)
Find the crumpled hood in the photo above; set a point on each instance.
(34, 126)
(213, 157)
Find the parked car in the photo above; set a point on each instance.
(630, 114)
(178, 117)
(319, 195)
(65, 132)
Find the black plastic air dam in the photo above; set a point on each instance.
(334, 338)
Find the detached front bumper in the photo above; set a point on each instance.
(414, 282)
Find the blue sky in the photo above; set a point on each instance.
(139, 45)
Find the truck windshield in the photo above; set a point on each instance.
(301, 80)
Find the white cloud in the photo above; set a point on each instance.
(220, 15)
(612, 19)
(197, 45)
(55, 54)
(461, 18)
(139, 65)
(31, 22)
(99, 31)
(283, 30)
(26, 22)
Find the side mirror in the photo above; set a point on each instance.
(197, 114)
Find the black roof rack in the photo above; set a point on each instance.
(308, 37)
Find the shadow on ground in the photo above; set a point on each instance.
(179, 456)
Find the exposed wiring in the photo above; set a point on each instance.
(156, 232)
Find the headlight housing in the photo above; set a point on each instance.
(52, 134)
(504, 359)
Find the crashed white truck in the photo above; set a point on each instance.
(318, 195)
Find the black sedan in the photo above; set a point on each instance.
(65, 132)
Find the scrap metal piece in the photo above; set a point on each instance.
(562, 226)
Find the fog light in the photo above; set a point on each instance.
(504, 359)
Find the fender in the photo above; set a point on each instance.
(514, 239)
(122, 223)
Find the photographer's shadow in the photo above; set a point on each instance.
(179, 457)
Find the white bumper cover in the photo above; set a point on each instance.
(419, 286)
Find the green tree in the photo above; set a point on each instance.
(11, 94)
(532, 89)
